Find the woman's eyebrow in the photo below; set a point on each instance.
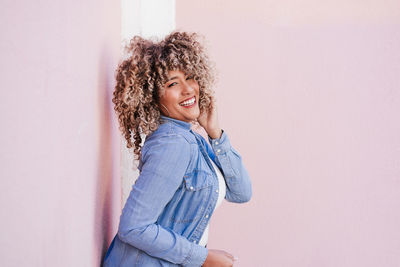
(175, 77)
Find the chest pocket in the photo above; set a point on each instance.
(198, 180)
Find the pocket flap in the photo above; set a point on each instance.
(197, 180)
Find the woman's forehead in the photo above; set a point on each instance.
(177, 72)
(173, 73)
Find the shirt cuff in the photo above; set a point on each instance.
(220, 145)
(197, 256)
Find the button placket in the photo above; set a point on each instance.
(214, 197)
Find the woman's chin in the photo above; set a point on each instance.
(192, 116)
(196, 114)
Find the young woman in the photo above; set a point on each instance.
(162, 89)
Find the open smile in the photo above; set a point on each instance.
(188, 103)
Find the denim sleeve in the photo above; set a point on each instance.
(238, 184)
(164, 164)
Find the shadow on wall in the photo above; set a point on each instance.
(104, 189)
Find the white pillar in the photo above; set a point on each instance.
(147, 18)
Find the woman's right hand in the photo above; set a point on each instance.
(218, 258)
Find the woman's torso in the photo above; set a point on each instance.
(191, 207)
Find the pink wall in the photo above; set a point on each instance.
(60, 192)
(309, 94)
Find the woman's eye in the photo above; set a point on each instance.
(172, 84)
(188, 78)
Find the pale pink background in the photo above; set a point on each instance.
(59, 179)
(309, 95)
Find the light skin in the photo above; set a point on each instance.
(177, 102)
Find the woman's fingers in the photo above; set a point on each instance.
(229, 255)
(234, 258)
(217, 257)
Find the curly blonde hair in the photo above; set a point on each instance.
(141, 77)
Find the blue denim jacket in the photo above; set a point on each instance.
(174, 197)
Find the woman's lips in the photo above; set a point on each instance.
(188, 103)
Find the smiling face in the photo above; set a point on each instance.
(180, 97)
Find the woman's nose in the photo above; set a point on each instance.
(187, 88)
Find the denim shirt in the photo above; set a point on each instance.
(174, 197)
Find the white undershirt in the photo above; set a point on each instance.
(221, 196)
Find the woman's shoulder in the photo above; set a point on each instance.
(168, 138)
(170, 131)
(163, 146)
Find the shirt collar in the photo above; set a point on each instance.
(183, 124)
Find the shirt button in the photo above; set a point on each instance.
(216, 190)
(216, 143)
(207, 216)
(218, 150)
(191, 188)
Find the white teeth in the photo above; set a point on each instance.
(188, 102)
